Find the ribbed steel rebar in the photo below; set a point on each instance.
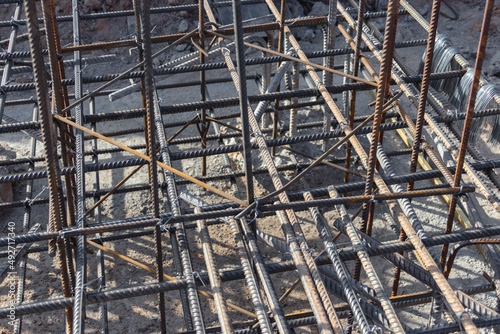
(338, 266)
(179, 254)
(251, 280)
(101, 269)
(488, 13)
(81, 260)
(243, 99)
(234, 274)
(9, 63)
(454, 303)
(26, 227)
(382, 90)
(355, 72)
(436, 5)
(56, 207)
(368, 266)
(214, 276)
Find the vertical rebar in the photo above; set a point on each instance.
(204, 124)
(281, 47)
(59, 101)
(26, 227)
(242, 94)
(214, 277)
(101, 269)
(10, 62)
(50, 149)
(431, 40)
(383, 85)
(151, 148)
(355, 72)
(81, 262)
(420, 115)
(483, 39)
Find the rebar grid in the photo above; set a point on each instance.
(224, 219)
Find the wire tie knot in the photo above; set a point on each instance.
(162, 223)
(317, 256)
(358, 246)
(197, 275)
(256, 210)
(349, 328)
(374, 330)
(466, 310)
(249, 221)
(304, 248)
(310, 250)
(373, 199)
(333, 248)
(83, 287)
(164, 149)
(13, 23)
(38, 195)
(461, 193)
(292, 23)
(102, 286)
(60, 236)
(86, 63)
(256, 134)
(341, 125)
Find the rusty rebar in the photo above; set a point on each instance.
(483, 39)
